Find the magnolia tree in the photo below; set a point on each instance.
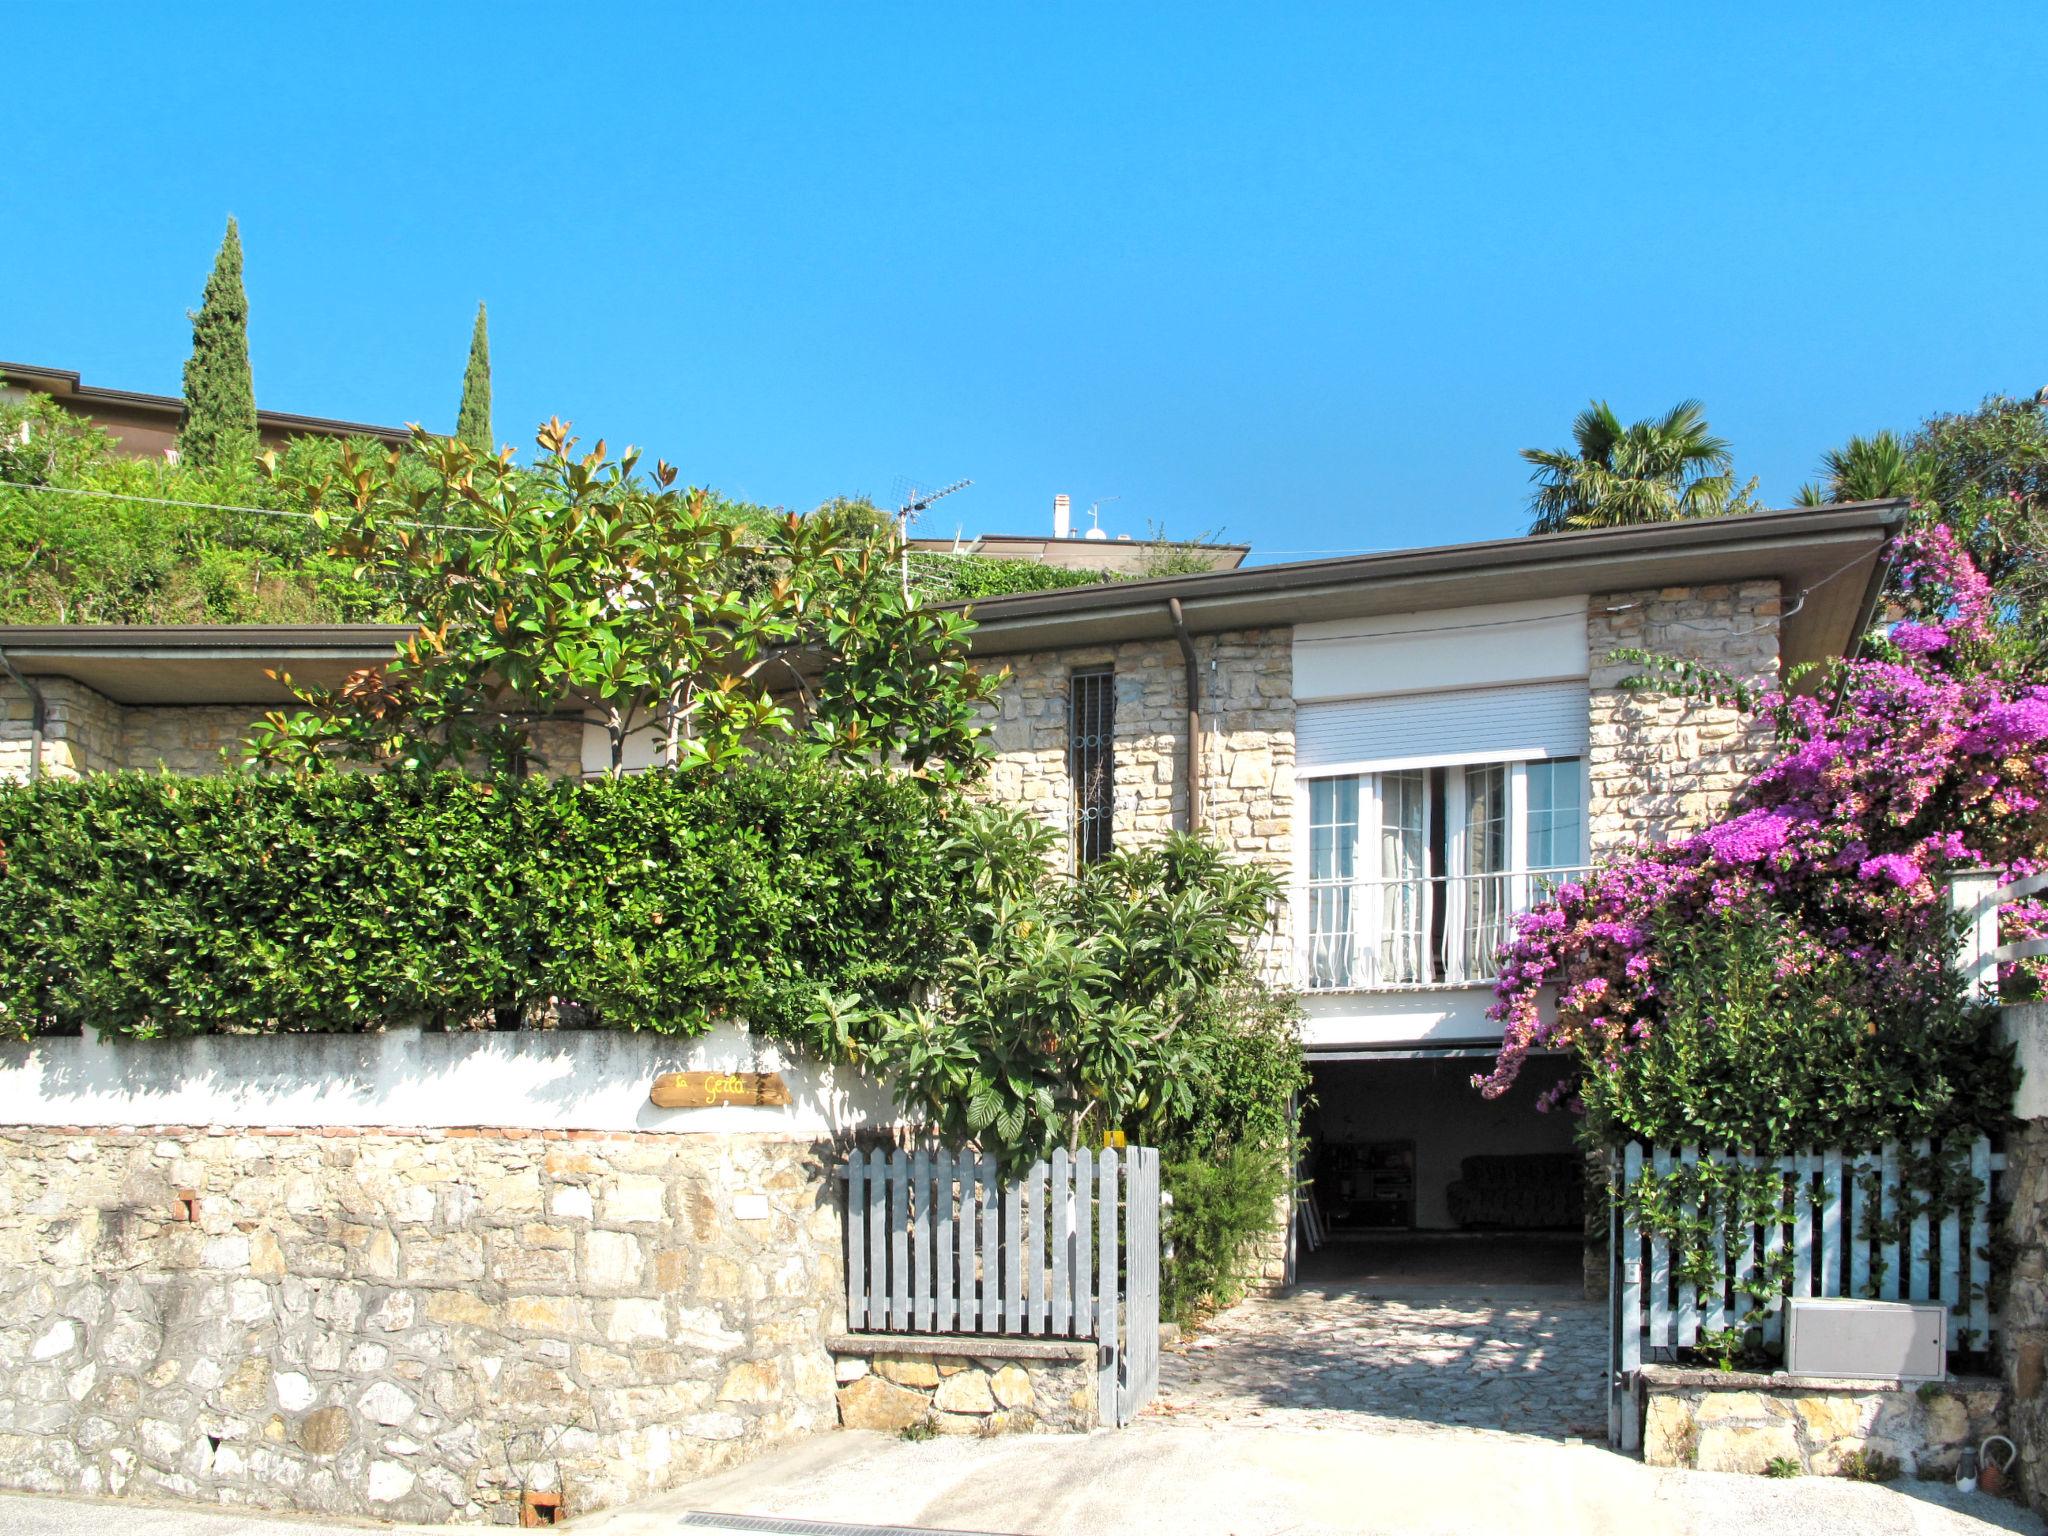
(1787, 973)
(583, 587)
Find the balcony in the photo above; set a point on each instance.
(1420, 931)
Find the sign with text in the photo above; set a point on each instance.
(713, 1090)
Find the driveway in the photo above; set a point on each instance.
(1355, 1355)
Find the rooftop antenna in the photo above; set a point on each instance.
(1095, 517)
(914, 502)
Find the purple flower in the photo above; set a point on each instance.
(1919, 639)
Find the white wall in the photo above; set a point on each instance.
(1433, 1104)
(532, 1079)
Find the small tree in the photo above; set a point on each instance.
(1649, 471)
(473, 419)
(220, 397)
(582, 587)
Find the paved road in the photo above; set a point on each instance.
(1206, 1482)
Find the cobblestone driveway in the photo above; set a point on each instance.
(1528, 1361)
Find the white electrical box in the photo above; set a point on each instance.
(1866, 1340)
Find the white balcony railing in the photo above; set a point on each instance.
(1434, 930)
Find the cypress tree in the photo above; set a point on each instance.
(220, 397)
(473, 420)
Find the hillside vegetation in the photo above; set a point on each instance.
(89, 536)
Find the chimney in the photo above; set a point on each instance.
(1062, 517)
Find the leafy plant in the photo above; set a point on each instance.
(581, 587)
(1783, 1466)
(1864, 1465)
(1647, 471)
(1223, 1204)
(1071, 1009)
(1783, 978)
(156, 906)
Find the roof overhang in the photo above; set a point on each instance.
(200, 663)
(1829, 560)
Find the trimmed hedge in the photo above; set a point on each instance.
(154, 906)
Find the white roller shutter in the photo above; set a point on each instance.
(1522, 721)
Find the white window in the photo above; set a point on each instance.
(1415, 874)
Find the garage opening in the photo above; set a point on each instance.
(1415, 1181)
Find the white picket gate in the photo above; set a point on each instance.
(1842, 1209)
(937, 1242)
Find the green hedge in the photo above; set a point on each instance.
(155, 906)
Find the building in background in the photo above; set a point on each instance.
(1091, 549)
(146, 426)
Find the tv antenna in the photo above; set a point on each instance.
(914, 503)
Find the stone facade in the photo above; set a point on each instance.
(185, 738)
(1247, 744)
(414, 1326)
(81, 730)
(2023, 1312)
(1660, 765)
(86, 732)
(965, 1386)
(1734, 1422)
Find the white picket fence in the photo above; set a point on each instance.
(937, 1242)
(1977, 896)
(1842, 1208)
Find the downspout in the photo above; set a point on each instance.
(1194, 744)
(38, 718)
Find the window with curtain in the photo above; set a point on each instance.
(1415, 875)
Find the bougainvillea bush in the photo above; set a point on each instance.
(1785, 977)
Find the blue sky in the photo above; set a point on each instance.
(1310, 275)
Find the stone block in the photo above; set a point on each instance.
(387, 1403)
(908, 1370)
(966, 1392)
(1669, 1435)
(1835, 1416)
(1732, 1447)
(612, 1261)
(1011, 1386)
(323, 1432)
(752, 1381)
(873, 1403)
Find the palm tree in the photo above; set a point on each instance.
(1649, 471)
(1871, 469)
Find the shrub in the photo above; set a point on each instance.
(155, 906)
(1783, 976)
(1222, 1206)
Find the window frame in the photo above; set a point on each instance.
(1442, 930)
(1092, 784)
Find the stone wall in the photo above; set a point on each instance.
(965, 1386)
(86, 732)
(407, 1325)
(1721, 1421)
(1659, 765)
(186, 738)
(2023, 1312)
(81, 730)
(1248, 791)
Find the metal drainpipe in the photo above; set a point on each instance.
(1194, 747)
(37, 718)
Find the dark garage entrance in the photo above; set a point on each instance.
(1418, 1182)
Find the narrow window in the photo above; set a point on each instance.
(1091, 760)
(1332, 873)
(1556, 818)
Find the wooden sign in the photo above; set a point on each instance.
(711, 1090)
